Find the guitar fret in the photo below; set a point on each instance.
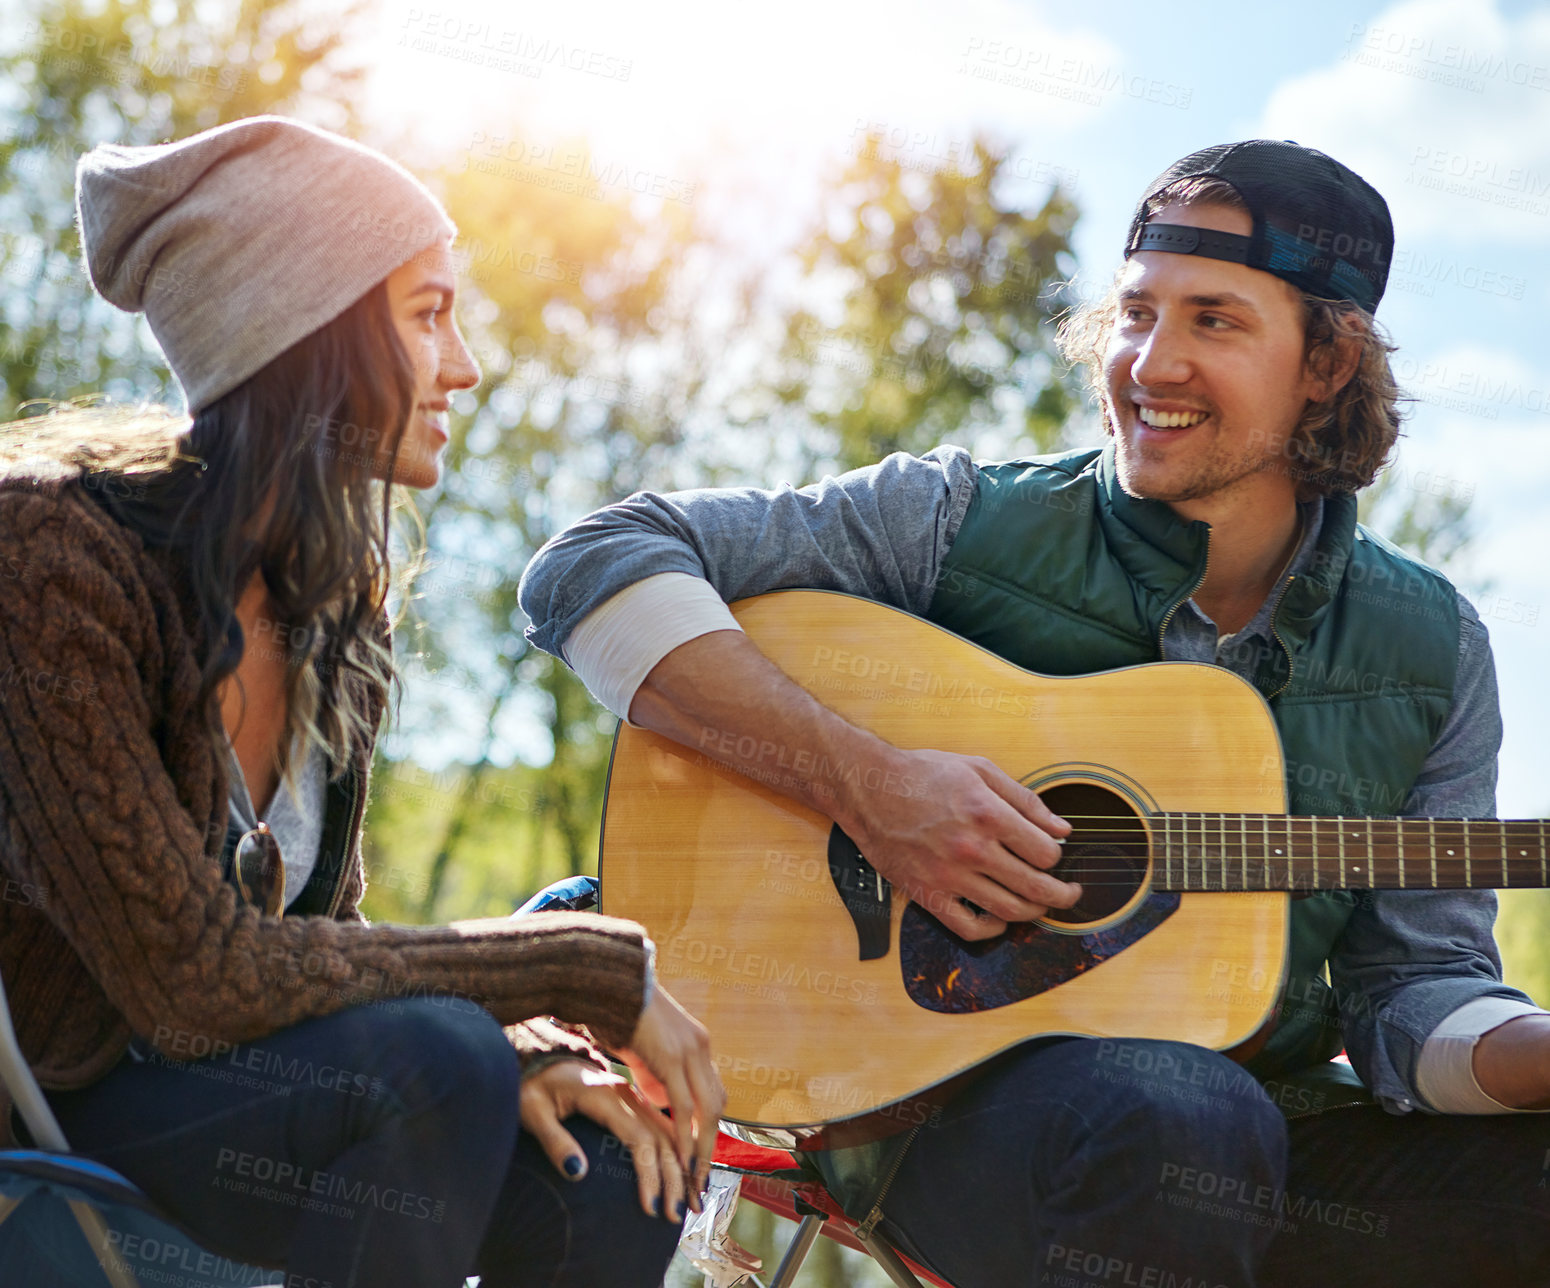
(1167, 851)
(1202, 880)
(1181, 849)
(1205, 852)
(1184, 851)
(1503, 827)
(1243, 849)
(1340, 824)
(1372, 861)
(1431, 832)
(1469, 875)
(1204, 875)
(1200, 852)
(1221, 841)
(1399, 845)
(1264, 824)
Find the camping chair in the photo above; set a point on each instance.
(67, 1222)
(769, 1177)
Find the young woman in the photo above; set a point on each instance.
(194, 662)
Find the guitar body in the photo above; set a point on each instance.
(826, 994)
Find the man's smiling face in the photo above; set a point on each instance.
(1205, 374)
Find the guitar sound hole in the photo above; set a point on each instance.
(1106, 851)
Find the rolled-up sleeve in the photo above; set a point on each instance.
(1409, 958)
(881, 532)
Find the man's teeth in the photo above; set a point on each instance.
(1169, 419)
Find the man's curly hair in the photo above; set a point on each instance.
(1339, 445)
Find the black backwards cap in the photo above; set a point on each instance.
(1317, 224)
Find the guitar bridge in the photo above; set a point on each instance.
(867, 897)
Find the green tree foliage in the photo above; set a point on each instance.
(1431, 522)
(592, 369)
(605, 333)
(130, 72)
(942, 328)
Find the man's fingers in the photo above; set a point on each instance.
(1027, 841)
(953, 913)
(1016, 891)
(996, 901)
(1028, 803)
(1001, 883)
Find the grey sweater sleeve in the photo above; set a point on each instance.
(1408, 958)
(881, 532)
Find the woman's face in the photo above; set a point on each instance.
(420, 298)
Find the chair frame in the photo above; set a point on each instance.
(27, 1095)
(17, 1078)
(816, 1213)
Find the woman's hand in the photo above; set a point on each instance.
(670, 1057)
(569, 1087)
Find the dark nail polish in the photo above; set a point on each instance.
(573, 1165)
(656, 1205)
(682, 1207)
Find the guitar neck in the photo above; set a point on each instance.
(1300, 852)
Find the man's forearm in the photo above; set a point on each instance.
(954, 833)
(721, 696)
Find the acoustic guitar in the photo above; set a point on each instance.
(828, 997)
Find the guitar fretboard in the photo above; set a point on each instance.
(1289, 852)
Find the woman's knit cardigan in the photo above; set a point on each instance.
(114, 917)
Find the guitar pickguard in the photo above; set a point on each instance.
(952, 976)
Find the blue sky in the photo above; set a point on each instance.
(1443, 104)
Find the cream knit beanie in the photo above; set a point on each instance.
(239, 241)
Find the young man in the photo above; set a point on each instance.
(1247, 396)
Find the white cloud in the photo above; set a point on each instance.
(1444, 105)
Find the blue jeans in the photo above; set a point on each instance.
(376, 1147)
(1084, 1163)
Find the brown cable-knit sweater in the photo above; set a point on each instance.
(114, 917)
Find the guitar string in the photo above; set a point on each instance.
(1314, 818)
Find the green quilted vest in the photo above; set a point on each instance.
(1059, 571)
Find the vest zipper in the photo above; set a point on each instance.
(869, 1223)
(1335, 1109)
(1290, 665)
(1205, 569)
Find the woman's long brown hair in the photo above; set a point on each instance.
(275, 477)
